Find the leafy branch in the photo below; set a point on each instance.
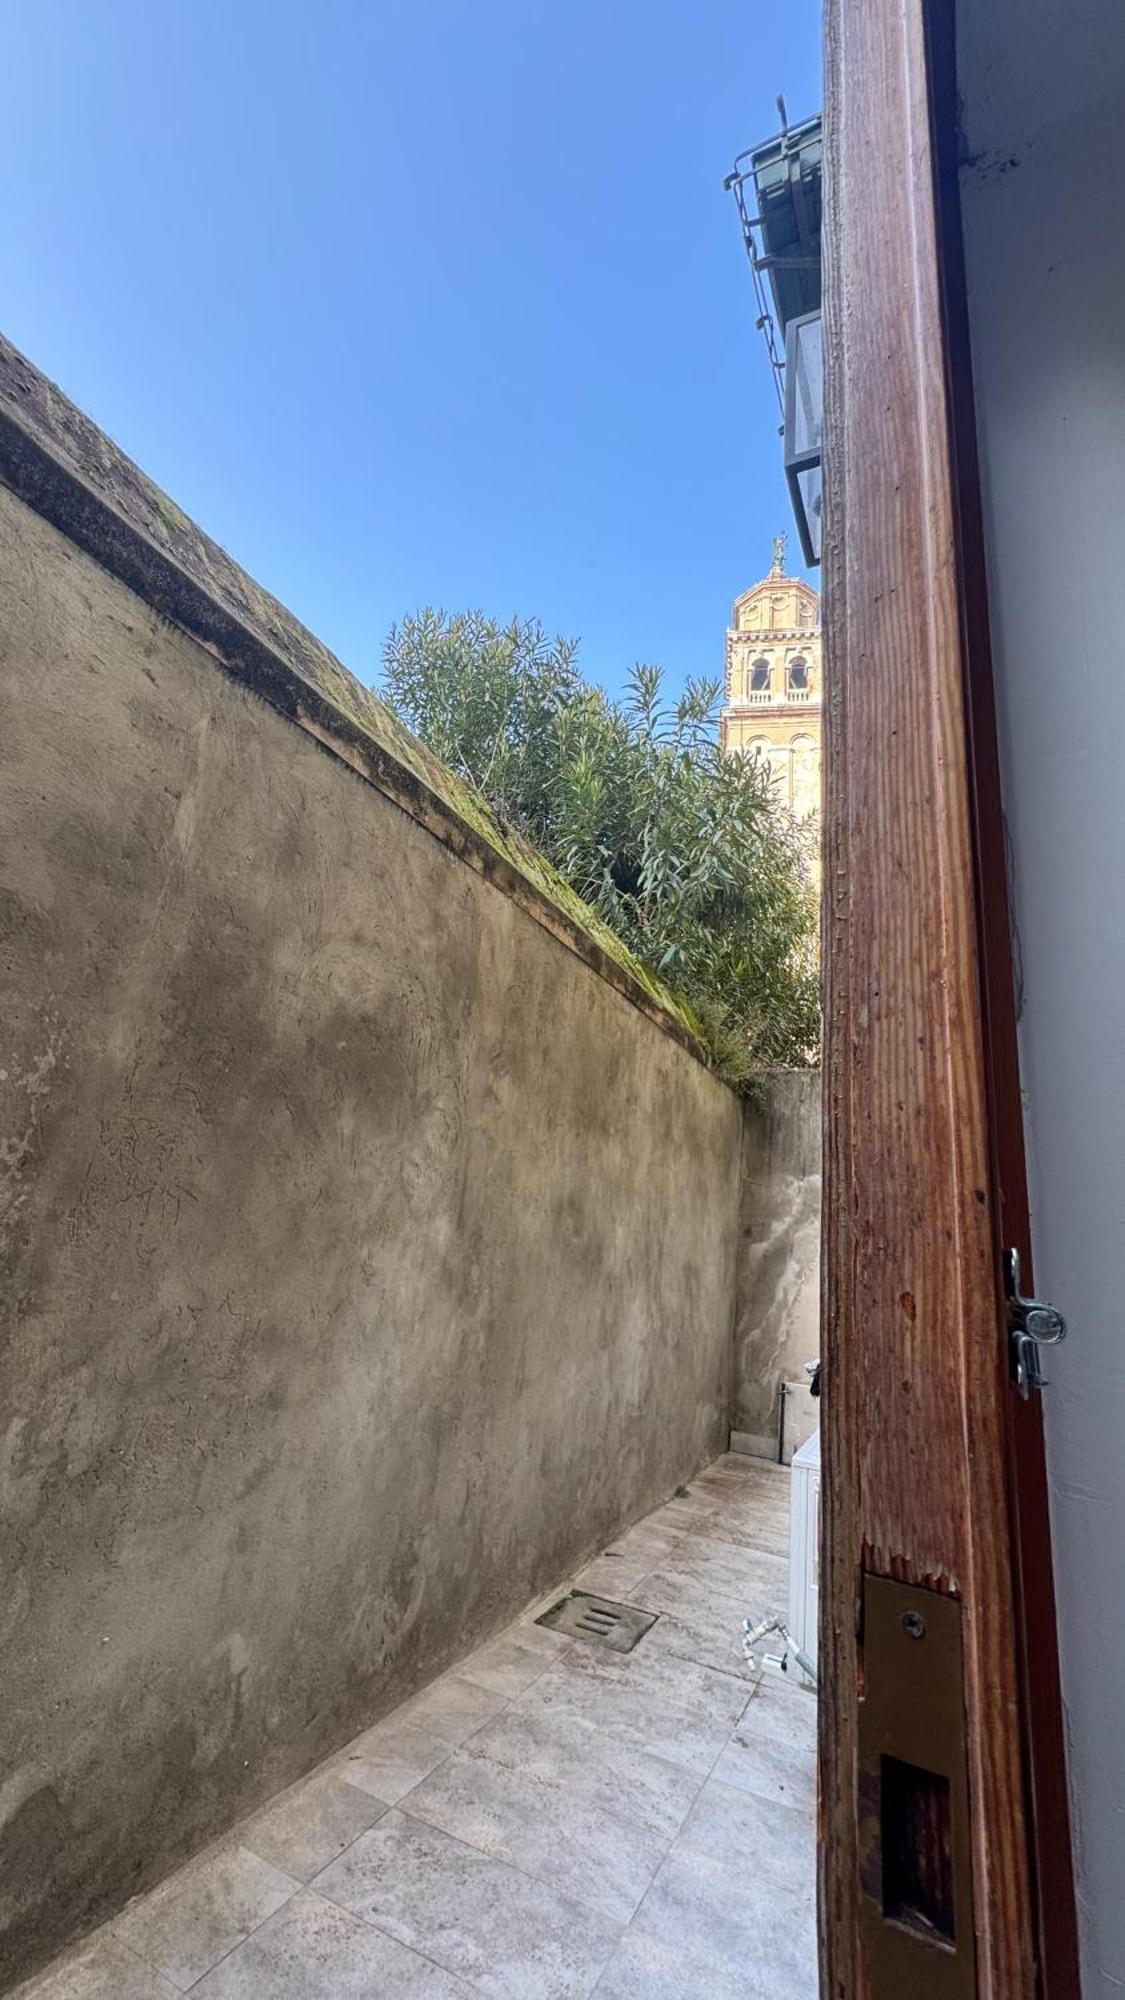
(679, 847)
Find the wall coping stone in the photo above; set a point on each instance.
(62, 466)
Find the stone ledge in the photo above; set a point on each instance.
(60, 464)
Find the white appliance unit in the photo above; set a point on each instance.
(804, 1559)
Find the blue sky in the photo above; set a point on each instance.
(419, 300)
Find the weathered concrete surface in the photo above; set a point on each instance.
(365, 1258)
(67, 470)
(777, 1316)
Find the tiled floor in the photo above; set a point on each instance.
(548, 1820)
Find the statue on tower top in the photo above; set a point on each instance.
(778, 566)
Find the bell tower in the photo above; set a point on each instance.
(772, 700)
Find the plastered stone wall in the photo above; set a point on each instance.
(777, 1314)
(366, 1259)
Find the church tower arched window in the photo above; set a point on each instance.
(760, 677)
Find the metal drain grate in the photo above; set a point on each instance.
(599, 1620)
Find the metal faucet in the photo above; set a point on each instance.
(755, 1633)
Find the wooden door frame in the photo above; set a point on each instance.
(933, 1468)
(1054, 1915)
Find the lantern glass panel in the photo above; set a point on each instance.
(804, 408)
(808, 388)
(809, 487)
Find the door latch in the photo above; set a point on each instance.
(1032, 1324)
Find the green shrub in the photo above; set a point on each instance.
(680, 849)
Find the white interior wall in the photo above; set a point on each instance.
(1043, 189)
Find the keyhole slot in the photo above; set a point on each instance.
(917, 1849)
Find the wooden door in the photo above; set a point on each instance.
(943, 1796)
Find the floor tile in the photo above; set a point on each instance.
(727, 1821)
(304, 1829)
(739, 1476)
(613, 1576)
(682, 1681)
(761, 1489)
(765, 1489)
(646, 1968)
(646, 1541)
(752, 1529)
(711, 1640)
(758, 1485)
(312, 1950)
(756, 1922)
(664, 1707)
(390, 1759)
(558, 1832)
(453, 1707)
(752, 1525)
(509, 1936)
(675, 1591)
(101, 1969)
(199, 1914)
(557, 1746)
(509, 1664)
(773, 1750)
(730, 1569)
(737, 1471)
(689, 1596)
(682, 1513)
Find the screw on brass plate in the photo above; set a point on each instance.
(913, 1624)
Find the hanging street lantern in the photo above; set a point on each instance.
(777, 187)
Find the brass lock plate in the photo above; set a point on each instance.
(915, 1857)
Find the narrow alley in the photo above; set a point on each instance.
(550, 1818)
